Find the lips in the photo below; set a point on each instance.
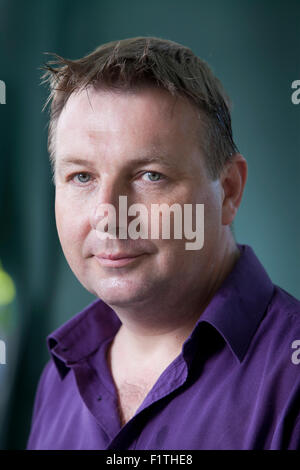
(117, 259)
(115, 256)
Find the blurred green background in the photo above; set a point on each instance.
(252, 46)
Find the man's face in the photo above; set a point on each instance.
(143, 145)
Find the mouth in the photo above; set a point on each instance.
(117, 260)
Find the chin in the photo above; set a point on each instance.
(122, 293)
(120, 300)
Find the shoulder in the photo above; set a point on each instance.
(282, 318)
(48, 376)
(277, 336)
(50, 389)
(284, 308)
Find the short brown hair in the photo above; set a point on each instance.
(134, 62)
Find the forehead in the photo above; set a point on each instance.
(101, 121)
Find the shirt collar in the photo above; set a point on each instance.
(238, 307)
(81, 335)
(235, 311)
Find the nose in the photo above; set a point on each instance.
(108, 214)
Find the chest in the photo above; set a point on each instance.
(131, 394)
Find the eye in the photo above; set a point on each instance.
(153, 176)
(82, 177)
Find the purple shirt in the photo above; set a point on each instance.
(234, 385)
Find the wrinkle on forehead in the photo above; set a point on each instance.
(170, 104)
(154, 122)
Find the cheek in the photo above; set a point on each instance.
(62, 218)
(70, 225)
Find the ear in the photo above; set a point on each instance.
(233, 180)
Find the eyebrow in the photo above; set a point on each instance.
(161, 159)
(74, 161)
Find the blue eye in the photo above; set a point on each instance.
(82, 177)
(153, 175)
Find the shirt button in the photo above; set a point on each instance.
(99, 398)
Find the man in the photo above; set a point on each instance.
(185, 348)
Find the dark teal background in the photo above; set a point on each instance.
(252, 46)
